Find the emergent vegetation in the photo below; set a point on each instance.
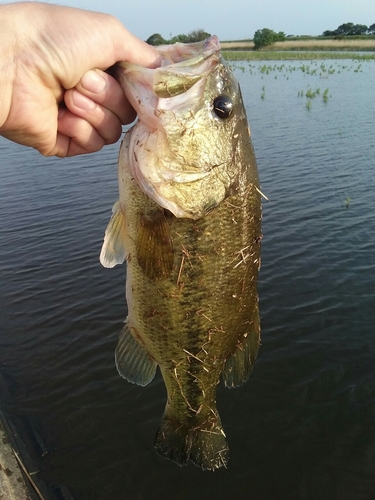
(285, 55)
(321, 70)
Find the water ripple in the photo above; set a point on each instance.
(311, 395)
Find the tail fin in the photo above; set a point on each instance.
(203, 443)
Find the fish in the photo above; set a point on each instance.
(188, 225)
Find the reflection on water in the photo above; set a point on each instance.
(304, 424)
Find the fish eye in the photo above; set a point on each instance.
(223, 106)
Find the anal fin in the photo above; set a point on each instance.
(132, 360)
(240, 364)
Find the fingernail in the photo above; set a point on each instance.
(93, 82)
(82, 101)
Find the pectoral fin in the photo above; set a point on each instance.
(113, 249)
(132, 360)
(240, 364)
(154, 246)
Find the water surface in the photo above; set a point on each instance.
(304, 425)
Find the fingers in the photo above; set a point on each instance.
(99, 99)
(96, 109)
(75, 135)
(106, 123)
(106, 91)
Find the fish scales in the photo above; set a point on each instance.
(192, 298)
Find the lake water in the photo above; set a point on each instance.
(303, 427)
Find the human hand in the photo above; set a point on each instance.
(55, 95)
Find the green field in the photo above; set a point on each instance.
(302, 48)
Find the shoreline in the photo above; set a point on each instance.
(13, 483)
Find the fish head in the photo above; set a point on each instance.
(184, 147)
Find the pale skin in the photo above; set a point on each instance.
(55, 94)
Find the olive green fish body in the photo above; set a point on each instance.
(191, 291)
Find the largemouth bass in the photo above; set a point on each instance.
(188, 224)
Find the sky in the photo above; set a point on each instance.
(231, 19)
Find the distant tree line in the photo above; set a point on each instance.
(266, 36)
(351, 29)
(262, 38)
(193, 36)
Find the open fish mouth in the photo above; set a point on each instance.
(185, 107)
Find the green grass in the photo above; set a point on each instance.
(276, 55)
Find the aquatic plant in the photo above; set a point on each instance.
(310, 94)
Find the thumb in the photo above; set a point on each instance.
(128, 47)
